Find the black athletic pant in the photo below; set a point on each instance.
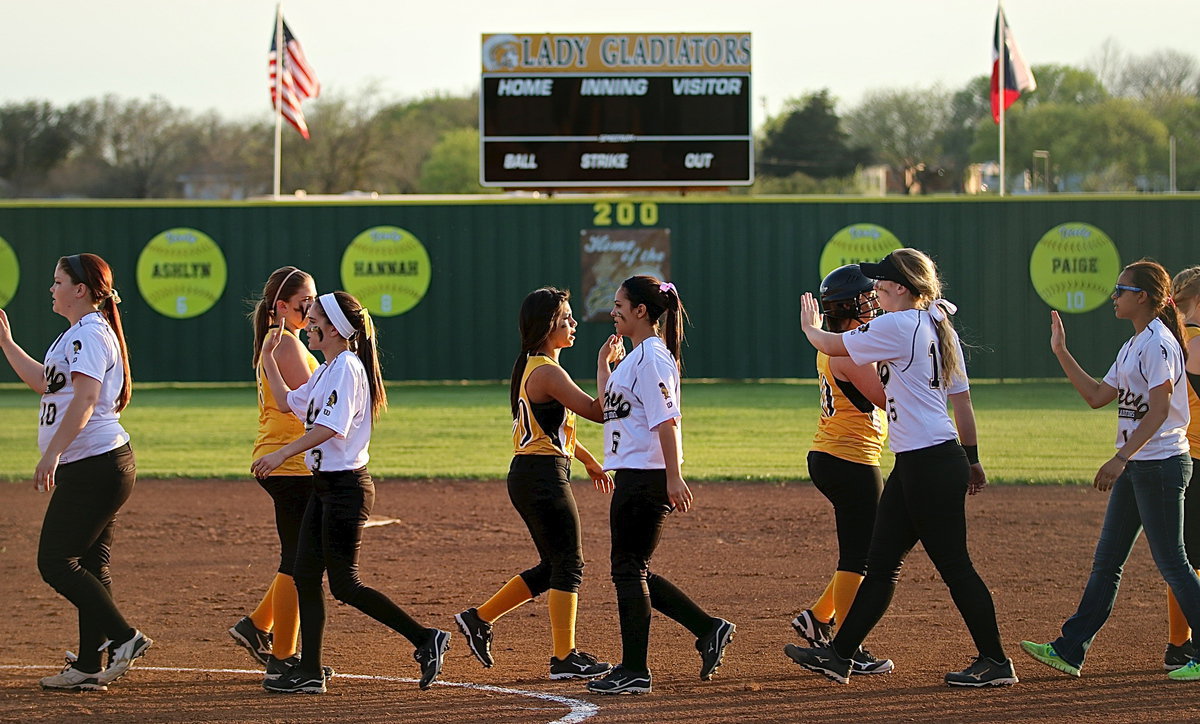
(77, 535)
(636, 515)
(330, 539)
(1191, 516)
(290, 495)
(539, 487)
(854, 490)
(924, 500)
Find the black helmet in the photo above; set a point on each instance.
(842, 292)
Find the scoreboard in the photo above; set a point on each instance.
(616, 110)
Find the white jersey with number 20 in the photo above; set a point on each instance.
(905, 345)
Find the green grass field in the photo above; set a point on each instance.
(1037, 432)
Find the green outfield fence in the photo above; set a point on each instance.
(739, 263)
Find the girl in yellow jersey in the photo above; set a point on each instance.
(1186, 291)
(269, 633)
(544, 401)
(844, 460)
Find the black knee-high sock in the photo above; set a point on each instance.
(676, 604)
(312, 624)
(634, 613)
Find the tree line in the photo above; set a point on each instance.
(1102, 127)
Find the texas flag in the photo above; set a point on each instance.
(1017, 76)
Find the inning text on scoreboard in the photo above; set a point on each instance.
(595, 110)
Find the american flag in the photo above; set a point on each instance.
(298, 81)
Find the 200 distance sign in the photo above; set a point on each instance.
(616, 110)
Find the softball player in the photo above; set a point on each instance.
(643, 446)
(844, 460)
(921, 366)
(1148, 474)
(86, 463)
(270, 632)
(1186, 292)
(339, 405)
(544, 401)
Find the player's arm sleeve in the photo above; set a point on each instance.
(875, 341)
(341, 400)
(297, 399)
(1110, 377)
(657, 386)
(1159, 366)
(90, 353)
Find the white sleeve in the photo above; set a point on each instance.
(1111, 379)
(876, 341)
(657, 387)
(342, 398)
(297, 399)
(88, 352)
(1157, 365)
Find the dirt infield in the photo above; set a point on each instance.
(191, 557)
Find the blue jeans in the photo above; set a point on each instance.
(1149, 494)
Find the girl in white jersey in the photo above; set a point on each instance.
(338, 405)
(643, 446)
(1148, 474)
(544, 401)
(921, 366)
(86, 462)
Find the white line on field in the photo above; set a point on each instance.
(579, 710)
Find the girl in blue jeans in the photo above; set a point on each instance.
(1148, 474)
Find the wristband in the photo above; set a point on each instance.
(972, 453)
(1120, 457)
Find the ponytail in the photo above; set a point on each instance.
(95, 273)
(664, 308)
(926, 287)
(1152, 278)
(364, 345)
(539, 311)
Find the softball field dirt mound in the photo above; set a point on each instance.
(193, 556)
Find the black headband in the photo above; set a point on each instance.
(76, 265)
(887, 271)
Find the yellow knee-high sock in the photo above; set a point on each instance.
(845, 587)
(1178, 630)
(286, 607)
(562, 621)
(263, 617)
(825, 606)
(510, 596)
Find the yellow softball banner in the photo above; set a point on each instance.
(1074, 266)
(181, 273)
(387, 269)
(10, 273)
(857, 243)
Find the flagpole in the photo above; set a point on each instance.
(1003, 45)
(279, 55)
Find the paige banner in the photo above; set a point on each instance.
(610, 256)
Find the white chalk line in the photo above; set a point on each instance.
(579, 710)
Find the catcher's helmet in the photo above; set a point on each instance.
(847, 294)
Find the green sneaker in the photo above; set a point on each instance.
(1188, 672)
(1046, 654)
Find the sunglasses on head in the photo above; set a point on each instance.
(1120, 288)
